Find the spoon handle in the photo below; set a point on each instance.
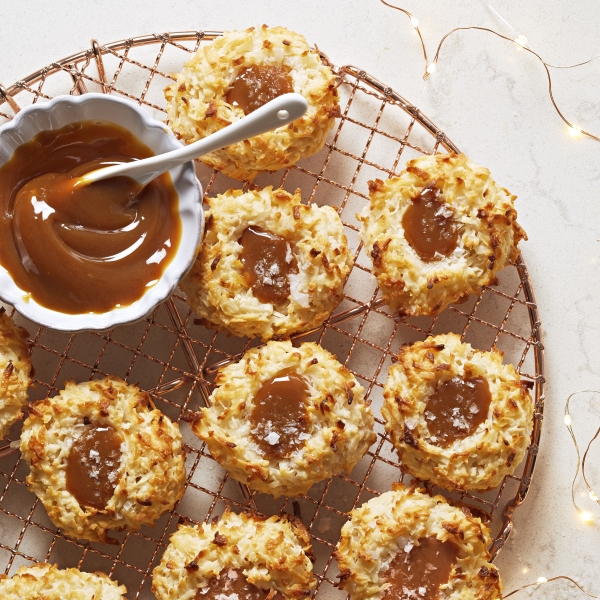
(278, 112)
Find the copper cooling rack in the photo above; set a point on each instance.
(171, 355)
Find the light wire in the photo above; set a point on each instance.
(518, 39)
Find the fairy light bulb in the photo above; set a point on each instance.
(593, 497)
(431, 68)
(567, 420)
(521, 40)
(574, 131)
(414, 21)
(542, 580)
(586, 517)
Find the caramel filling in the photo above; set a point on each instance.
(417, 573)
(79, 249)
(279, 419)
(456, 408)
(257, 85)
(428, 225)
(268, 260)
(93, 466)
(231, 584)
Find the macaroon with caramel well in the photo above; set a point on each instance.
(84, 249)
(407, 545)
(102, 457)
(269, 265)
(234, 75)
(458, 417)
(284, 418)
(47, 582)
(438, 232)
(245, 557)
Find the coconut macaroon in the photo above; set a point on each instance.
(284, 418)
(405, 545)
(269, 265)
(243, 556)
(239, 72)
(438, 232)
(102, 457)
(457, 416)
(15, 372)
(47, 582)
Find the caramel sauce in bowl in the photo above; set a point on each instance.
(65, 111)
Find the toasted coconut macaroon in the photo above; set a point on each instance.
(438, 232)
(284, 418)
(405, 545)
(15, 372)
(46, 582)
(457, 416)
(269, 265)
(236, 74)
(102, 457)
(240, 556)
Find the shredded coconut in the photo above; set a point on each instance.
(296, 295)
(411, 423)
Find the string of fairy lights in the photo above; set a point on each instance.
(518, 39)
(585, 515)
(430, 68)
(542, 580)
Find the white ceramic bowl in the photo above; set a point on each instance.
(61, 111)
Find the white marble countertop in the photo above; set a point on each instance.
(491, 98)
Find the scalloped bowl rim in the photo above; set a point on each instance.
(62, 110)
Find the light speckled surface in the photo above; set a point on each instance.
(491, 99)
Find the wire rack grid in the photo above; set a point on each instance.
(175, 358)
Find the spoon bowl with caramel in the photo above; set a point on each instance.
(108, 260)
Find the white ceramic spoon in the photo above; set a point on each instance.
(278, 112)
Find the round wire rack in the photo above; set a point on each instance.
(172, 356)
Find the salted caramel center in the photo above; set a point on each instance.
(428, 225)
(233, 585)
(93, 466)
(268, 261)
(256, 85)
(419, 572)
(456, 408)
(279, 419)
